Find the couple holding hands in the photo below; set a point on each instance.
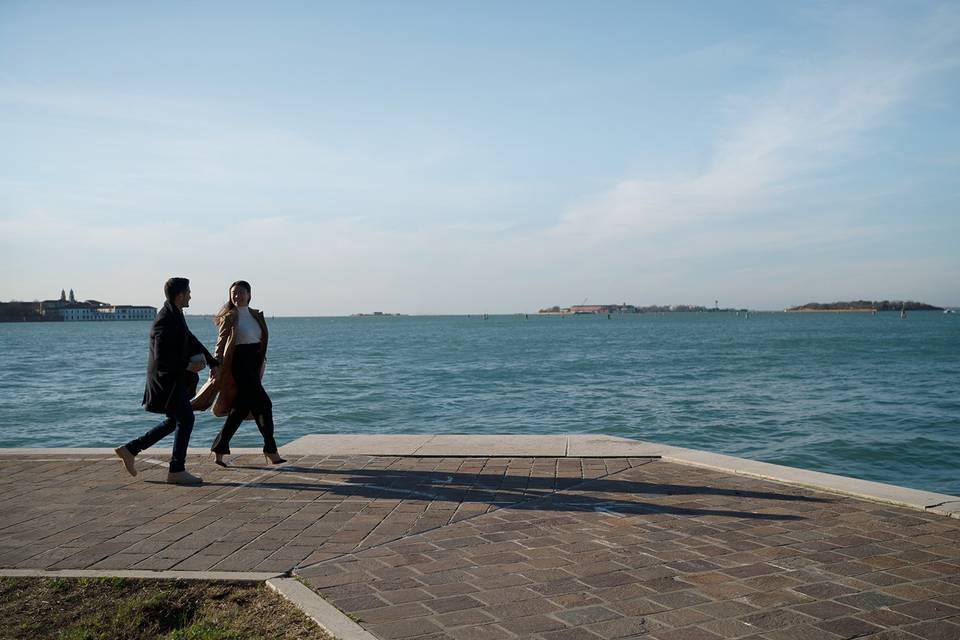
(233, 389)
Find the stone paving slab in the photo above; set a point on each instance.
(488, 547)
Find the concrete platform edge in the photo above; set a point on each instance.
(225, 576)
(939, 503)
(328, 617)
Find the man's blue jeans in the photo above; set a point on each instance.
(180, 419)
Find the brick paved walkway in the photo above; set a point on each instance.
(546, 548)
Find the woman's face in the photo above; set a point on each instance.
(239, 296)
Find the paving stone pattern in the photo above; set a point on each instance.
(490, 548)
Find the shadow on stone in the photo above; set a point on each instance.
(518, 492)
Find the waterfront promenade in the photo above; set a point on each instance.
(547, 537)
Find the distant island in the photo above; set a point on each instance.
(378, 314)
(69, 309)
(593, 309)
(864, 305)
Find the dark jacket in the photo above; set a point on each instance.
(171, 345)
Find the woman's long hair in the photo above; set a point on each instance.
(228, 306)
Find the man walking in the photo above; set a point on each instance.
(169, 374)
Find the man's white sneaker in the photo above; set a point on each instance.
(183, 477)
(127, 458)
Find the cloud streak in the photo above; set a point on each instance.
(776, 146)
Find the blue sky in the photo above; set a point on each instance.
(437, 157)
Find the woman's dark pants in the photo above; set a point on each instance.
(250, 398)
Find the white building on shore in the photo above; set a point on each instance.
(113, 312)
(92, 310)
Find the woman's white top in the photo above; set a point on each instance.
(248, 329)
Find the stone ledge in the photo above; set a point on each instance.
(328, 617)
(481, 446)
(868, 490)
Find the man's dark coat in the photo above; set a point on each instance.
(171, 345)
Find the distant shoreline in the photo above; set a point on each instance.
(10, 319)
(829, 310)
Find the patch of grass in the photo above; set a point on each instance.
(203, 631)
(62, 585)
(109, 608)
(77, 634)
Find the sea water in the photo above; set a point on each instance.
(870, 396)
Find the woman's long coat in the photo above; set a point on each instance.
(220, 392)
(171, 345)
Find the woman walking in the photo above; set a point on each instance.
(241, 350)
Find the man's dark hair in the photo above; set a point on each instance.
(174, 287)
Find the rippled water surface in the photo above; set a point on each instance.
(874, 397)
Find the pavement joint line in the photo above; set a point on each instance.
(328, 617)
(247, 484)
(429, 440)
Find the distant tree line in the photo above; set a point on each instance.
(17, 311)
(867, 305)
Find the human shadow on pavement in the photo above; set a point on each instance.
(499, 482)
(517, 492)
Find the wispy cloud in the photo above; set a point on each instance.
(777, 144)
(106, 105)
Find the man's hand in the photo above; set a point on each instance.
(214, 371)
